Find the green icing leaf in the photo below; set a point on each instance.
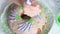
(18, 17)
(31, 20)
(20, 8)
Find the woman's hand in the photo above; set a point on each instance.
(31, 10)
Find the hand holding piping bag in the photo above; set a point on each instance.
(30, 10)
(33, 9)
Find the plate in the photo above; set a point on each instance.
(50, 19)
